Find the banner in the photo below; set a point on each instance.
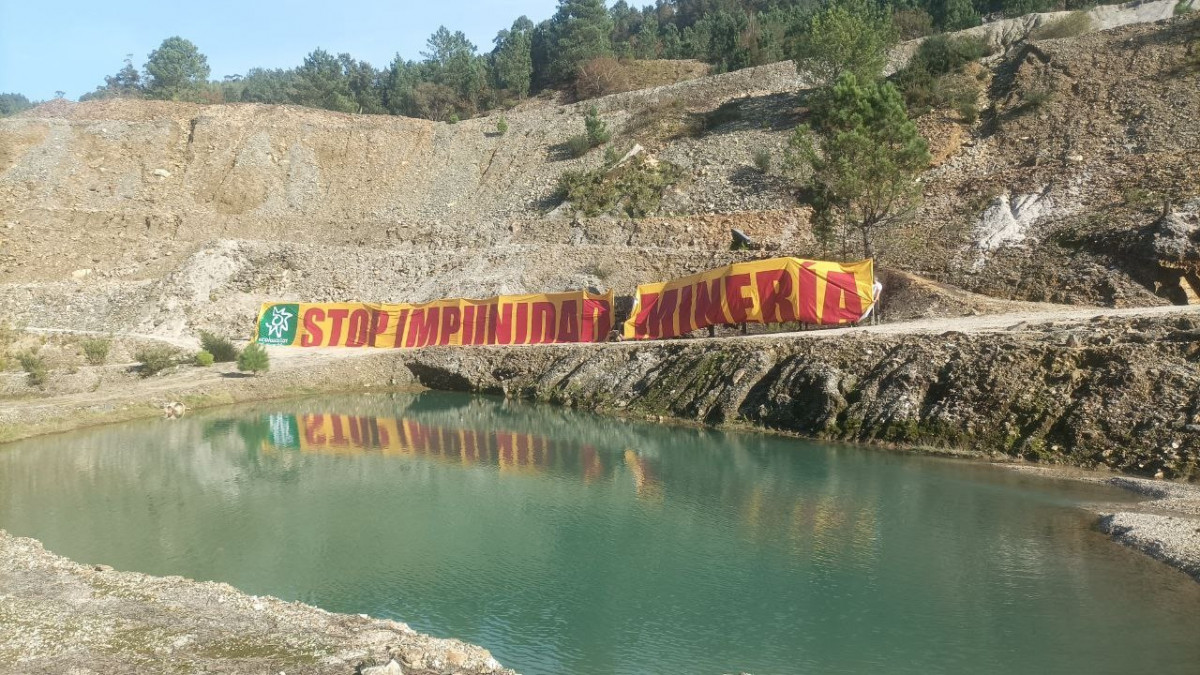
(763, 291)
(504, 320)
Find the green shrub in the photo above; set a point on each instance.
(502, 126)
(577, 146)
(934, 78)
(942, 54)
(221, 348)
(924, 92)
(762, 160)
(912, 23)
(254, 358)
(453, 118)
(612, 155)
(8, 334)
(595, 129)
(635, 188)
(968, 111)
(204, 359)
(1037, 98)
(1184, 6)
(34, 367)
(1071, 25)
(95, 350)
(155, 359)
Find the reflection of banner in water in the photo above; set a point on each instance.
(509, 450)
(356, 434)
(503, 320)
(645, 477)
(285, 433)
(764, 291)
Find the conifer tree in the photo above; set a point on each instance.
(580, 32)
(175, 69)
(322, 83)
(512, 60)
(859, 161)
(846, 36)
(254, 358)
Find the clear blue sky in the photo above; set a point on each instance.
(48, 45)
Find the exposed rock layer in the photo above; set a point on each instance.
(1118, 393)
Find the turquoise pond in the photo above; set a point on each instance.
(572, 543)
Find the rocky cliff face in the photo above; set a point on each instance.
(1117, 393)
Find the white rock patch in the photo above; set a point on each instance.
(1007, 221)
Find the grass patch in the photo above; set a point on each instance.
(578, 146)
(1035, 99)
(665, 121)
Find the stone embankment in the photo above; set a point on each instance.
(1117, 393)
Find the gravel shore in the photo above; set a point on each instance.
(59, 616)
(1165, 527)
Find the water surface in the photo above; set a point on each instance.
(570, 543)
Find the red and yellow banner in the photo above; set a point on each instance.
(763, 291)
(504, 320)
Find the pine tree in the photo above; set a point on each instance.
(672, 43)
(364, 83)
(954, 15)
(512, 60)
(399, 87)
(254, 358)
(451, 61)
(595, 128)
(580, 32)
(127, 81)
(860, 161)
(322, 83)
(175, 70)
(846, 36)
(647, 39)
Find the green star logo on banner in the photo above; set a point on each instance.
(278, 325)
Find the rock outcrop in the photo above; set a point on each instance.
(1117, 393)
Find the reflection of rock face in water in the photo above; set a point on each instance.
(558, 539)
